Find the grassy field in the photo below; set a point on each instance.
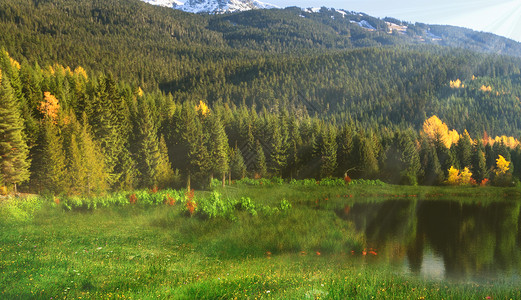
(145, 251)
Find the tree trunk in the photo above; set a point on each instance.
(188, 182)
(230, 177)
(224, 178)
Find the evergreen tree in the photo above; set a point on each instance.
(237, 166)
(148, 156)
(49, 167)
(76, 169)
(479, 163)
(108, 115)
(368, 160)
(410, 159)
(260, 161)
(328, 153)
(198, 155)
(96, 175)
(165, 175)
(218, 147)
(345, 148)
(295, 143)
(464, 151)
(278, 151)
(432, 174)
(14, 160)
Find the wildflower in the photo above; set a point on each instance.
(132, 199)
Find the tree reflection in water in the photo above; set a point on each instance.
(473, 240)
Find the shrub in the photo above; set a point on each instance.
(332, 182)
(285, 205)
(19, 210)
(246, 204)
(277, 180)
(376, 182)
(190, 204)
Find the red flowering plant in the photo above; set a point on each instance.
(190, 205)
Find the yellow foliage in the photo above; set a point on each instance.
(466, 176)
(509, 141)
(436, 130)
(59, 69)
(15, 64)
(140, 92)
(0, 76)
(80, 71)
(202, 108)
(456, 84)
(473, 77)
(457, 178)
(485, 88)
(49, 106)
(502, 165)
(454, 177)
(452, 138)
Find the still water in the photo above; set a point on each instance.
(442, 239)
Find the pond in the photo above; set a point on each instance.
(441, 239)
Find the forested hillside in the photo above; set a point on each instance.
(166, 97)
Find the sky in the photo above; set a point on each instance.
(502, 17)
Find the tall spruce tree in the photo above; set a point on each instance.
(328, 153)
(368, 159)
(96, 174)
(165, 174)
(345, 148)
(218, 146)
(148, 156)
(409, 158)
(237, 166)
(14, 160)
(108, 115)
(464, 151)
(260, 161)
(277, 150)
(479, 163)
(76, 168)
(198, 156)
(431, 171)
(295, 143)
(49, 166)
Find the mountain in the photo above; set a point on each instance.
(165, 3)
(212, 6)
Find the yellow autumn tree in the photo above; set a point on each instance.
(15, 64)
(454, 177)
(81, 72)
(508, 141)
(502, 165)
(202, 108)
(437, 131)
(50, 106)
(485, 88)
(456, 84)
(466, 176)
(503, 177)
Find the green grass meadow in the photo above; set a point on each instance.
(144, 251)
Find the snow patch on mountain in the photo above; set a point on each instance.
(364, 24)
(222, 6)
(165, 3)
(212, 6)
